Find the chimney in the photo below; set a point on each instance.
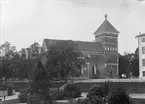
(139, 33)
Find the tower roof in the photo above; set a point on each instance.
(140, 35)
(106, 26)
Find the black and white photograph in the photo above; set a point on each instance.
(72, 51)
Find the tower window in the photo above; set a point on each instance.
(143, 50)
(143, 39)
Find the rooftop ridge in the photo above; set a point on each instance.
(106, 26)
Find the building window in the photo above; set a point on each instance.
(143, 73)
(82, 70)
(93, 69)
(143, 62)
(113, 49)
(143, 50)
(143, 39)
(105, 48)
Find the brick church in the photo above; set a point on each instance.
(101, 55)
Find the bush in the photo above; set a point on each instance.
(35, 99)
(117, 95)
(95, 95)
(70, 90)
(83, 101)
(95, 90)
(106, 87)
(57, 95)
(23, 96)
(3, 86)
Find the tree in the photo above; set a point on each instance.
(123, 64)
(14, 64)
(35, 50)
(134, 63)
(41, 82)
(7, 50)
(22, 53)
(63, 60)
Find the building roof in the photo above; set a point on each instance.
(106, 26)
(140, 35)
(90, 48)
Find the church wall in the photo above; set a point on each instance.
(85, 73)
(99, 63)
(102, 70)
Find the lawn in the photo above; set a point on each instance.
(134, 101)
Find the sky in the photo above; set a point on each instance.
(27, 21)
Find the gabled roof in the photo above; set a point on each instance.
(140, 35)
(106, 26)
(82, 46)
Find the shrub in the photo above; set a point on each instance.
(95, 90)
(23, 96)
(83, 101)
(96, 100)
(3, 86)
(57, 95)
(70, 90)
(95, 95)
(117, 95)
(110, 93)
(106, 87)
(35, 99)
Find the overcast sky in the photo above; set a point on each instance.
(29, 21)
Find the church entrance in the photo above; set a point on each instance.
(112, 71)
(95, 72)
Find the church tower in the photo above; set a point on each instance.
(107, 35)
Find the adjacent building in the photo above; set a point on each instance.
(141, 45)
(101, 55)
